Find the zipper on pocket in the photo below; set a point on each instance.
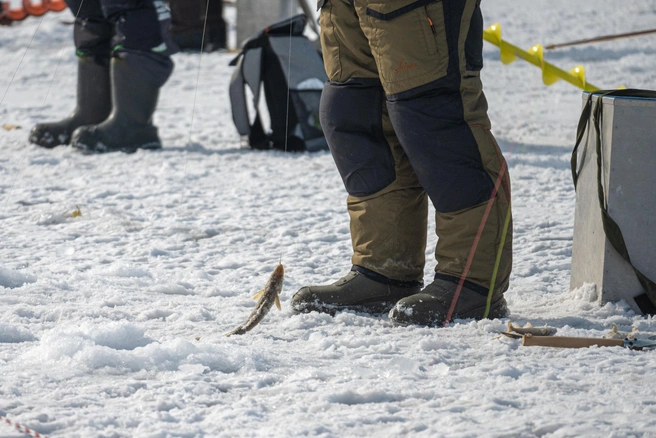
(430, 22)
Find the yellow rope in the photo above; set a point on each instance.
(497, 262)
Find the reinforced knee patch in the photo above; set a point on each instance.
(351, 118)
(442, 149)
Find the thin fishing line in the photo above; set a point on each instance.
(11, 81)
(289, 71)
(45, 98)
(193, 106)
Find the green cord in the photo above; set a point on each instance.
(497, 263)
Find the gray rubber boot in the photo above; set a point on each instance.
(353, 292)
(430, 307)
(129, 127)
(94, 103)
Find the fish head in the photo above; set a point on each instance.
(279, 271)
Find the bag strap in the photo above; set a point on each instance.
(580, 131)
(248, 74)
(647, 301)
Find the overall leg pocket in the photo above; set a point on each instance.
(408, 41)
(346, 51)
(329, 42)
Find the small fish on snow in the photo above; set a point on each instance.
(266, 298)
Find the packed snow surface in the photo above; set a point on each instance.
(112, 323)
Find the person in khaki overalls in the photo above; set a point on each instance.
(405, 118)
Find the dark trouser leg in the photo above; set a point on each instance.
(386, 204)
(92, 35)
(439, 114)
(429, 61)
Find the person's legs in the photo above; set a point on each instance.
(92, 36)
(386, 204)
(216, 25)
(429, 55)
(190, 18)
(140, 65)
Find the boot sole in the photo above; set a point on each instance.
(498, 309)
(128, 150)
(377, 307)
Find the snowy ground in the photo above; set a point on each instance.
(100, 314)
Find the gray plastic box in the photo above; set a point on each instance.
(629, 178)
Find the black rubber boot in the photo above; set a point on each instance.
(129, 126)
(356, 292)
(430, 307)
(93, 105)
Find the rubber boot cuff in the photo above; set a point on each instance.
(385, 280)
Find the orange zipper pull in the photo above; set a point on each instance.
(430, 22)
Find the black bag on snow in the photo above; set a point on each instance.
(293, 82)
